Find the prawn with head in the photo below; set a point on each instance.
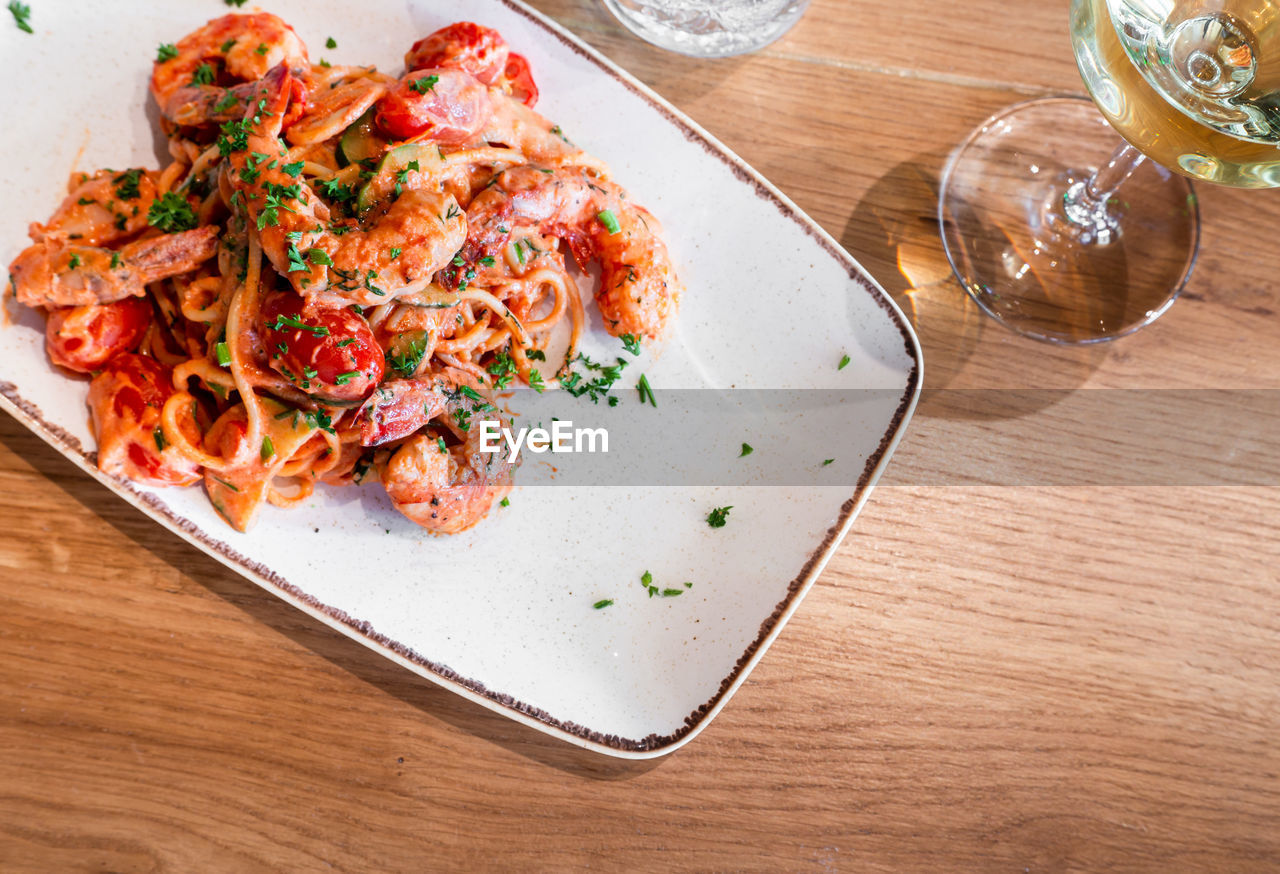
(444, 485)
(638, 292)
(210, 75)
(97, 247)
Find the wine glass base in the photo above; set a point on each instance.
(1018, 254)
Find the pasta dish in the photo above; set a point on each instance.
(336, 273)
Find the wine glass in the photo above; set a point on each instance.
(1062, 236)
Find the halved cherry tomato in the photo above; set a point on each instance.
(451, 110)
(520, 80)
(329, 353)
(125, 400)
(84, 338)
(480, 51)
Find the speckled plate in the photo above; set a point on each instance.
(503, 614)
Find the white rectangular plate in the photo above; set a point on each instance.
(503, 614)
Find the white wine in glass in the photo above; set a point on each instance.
(1062, 236)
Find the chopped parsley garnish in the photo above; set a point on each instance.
(827, 461)
(645, 392)
(535, 382)
(503, 369)
(717, 517)
(171, 213)
(234, 138)
(631, 343)
(127, 184)
(335, 190)
(487, 261)
(746, 450)
(505, 502)
(671, 593)
(600, 605)
(21, 12)
(424, 84)
(577, 385)
(407, 350)
(74, 262)
(268, 449)
(228, 101)
(535, 355)
(115, 260)
(395, 252)
(283, 321)
(294, 169)
(844, 362)
(331, 43)
(167, 52)
(320, 257)
(223, 351)
(646, 579)
(158, 436)
(277, 194)
(609, 220)
(203, 75)
(226, 46)
(444, 450)
(234, 2)
(261, 49)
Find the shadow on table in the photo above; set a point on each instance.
(308, 632)
(893, 232)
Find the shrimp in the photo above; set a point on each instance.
(197, 84)
(445, 489)
(54, 273)
(638, 292)
(396, 251)
(480, 51)
(101, 208)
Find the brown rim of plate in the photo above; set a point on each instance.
(71, 447)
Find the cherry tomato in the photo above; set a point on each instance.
(329, 353)
(84, 338)
(480, 51)
(451, 110)
(520, 79)
(125, 399)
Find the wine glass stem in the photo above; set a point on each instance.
(1088, 204)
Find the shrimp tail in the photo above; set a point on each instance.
(156, 258)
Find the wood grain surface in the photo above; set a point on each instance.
(1007, 675)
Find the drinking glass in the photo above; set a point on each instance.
(708, 28)
(1063, 236)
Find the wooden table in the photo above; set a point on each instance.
(986, 678)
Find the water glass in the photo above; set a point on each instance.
(709, 28)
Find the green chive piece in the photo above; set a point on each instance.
(600, 605)
(844, 362)
(609, 220)
(746, 450)
(268, 448)
(223, 351)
